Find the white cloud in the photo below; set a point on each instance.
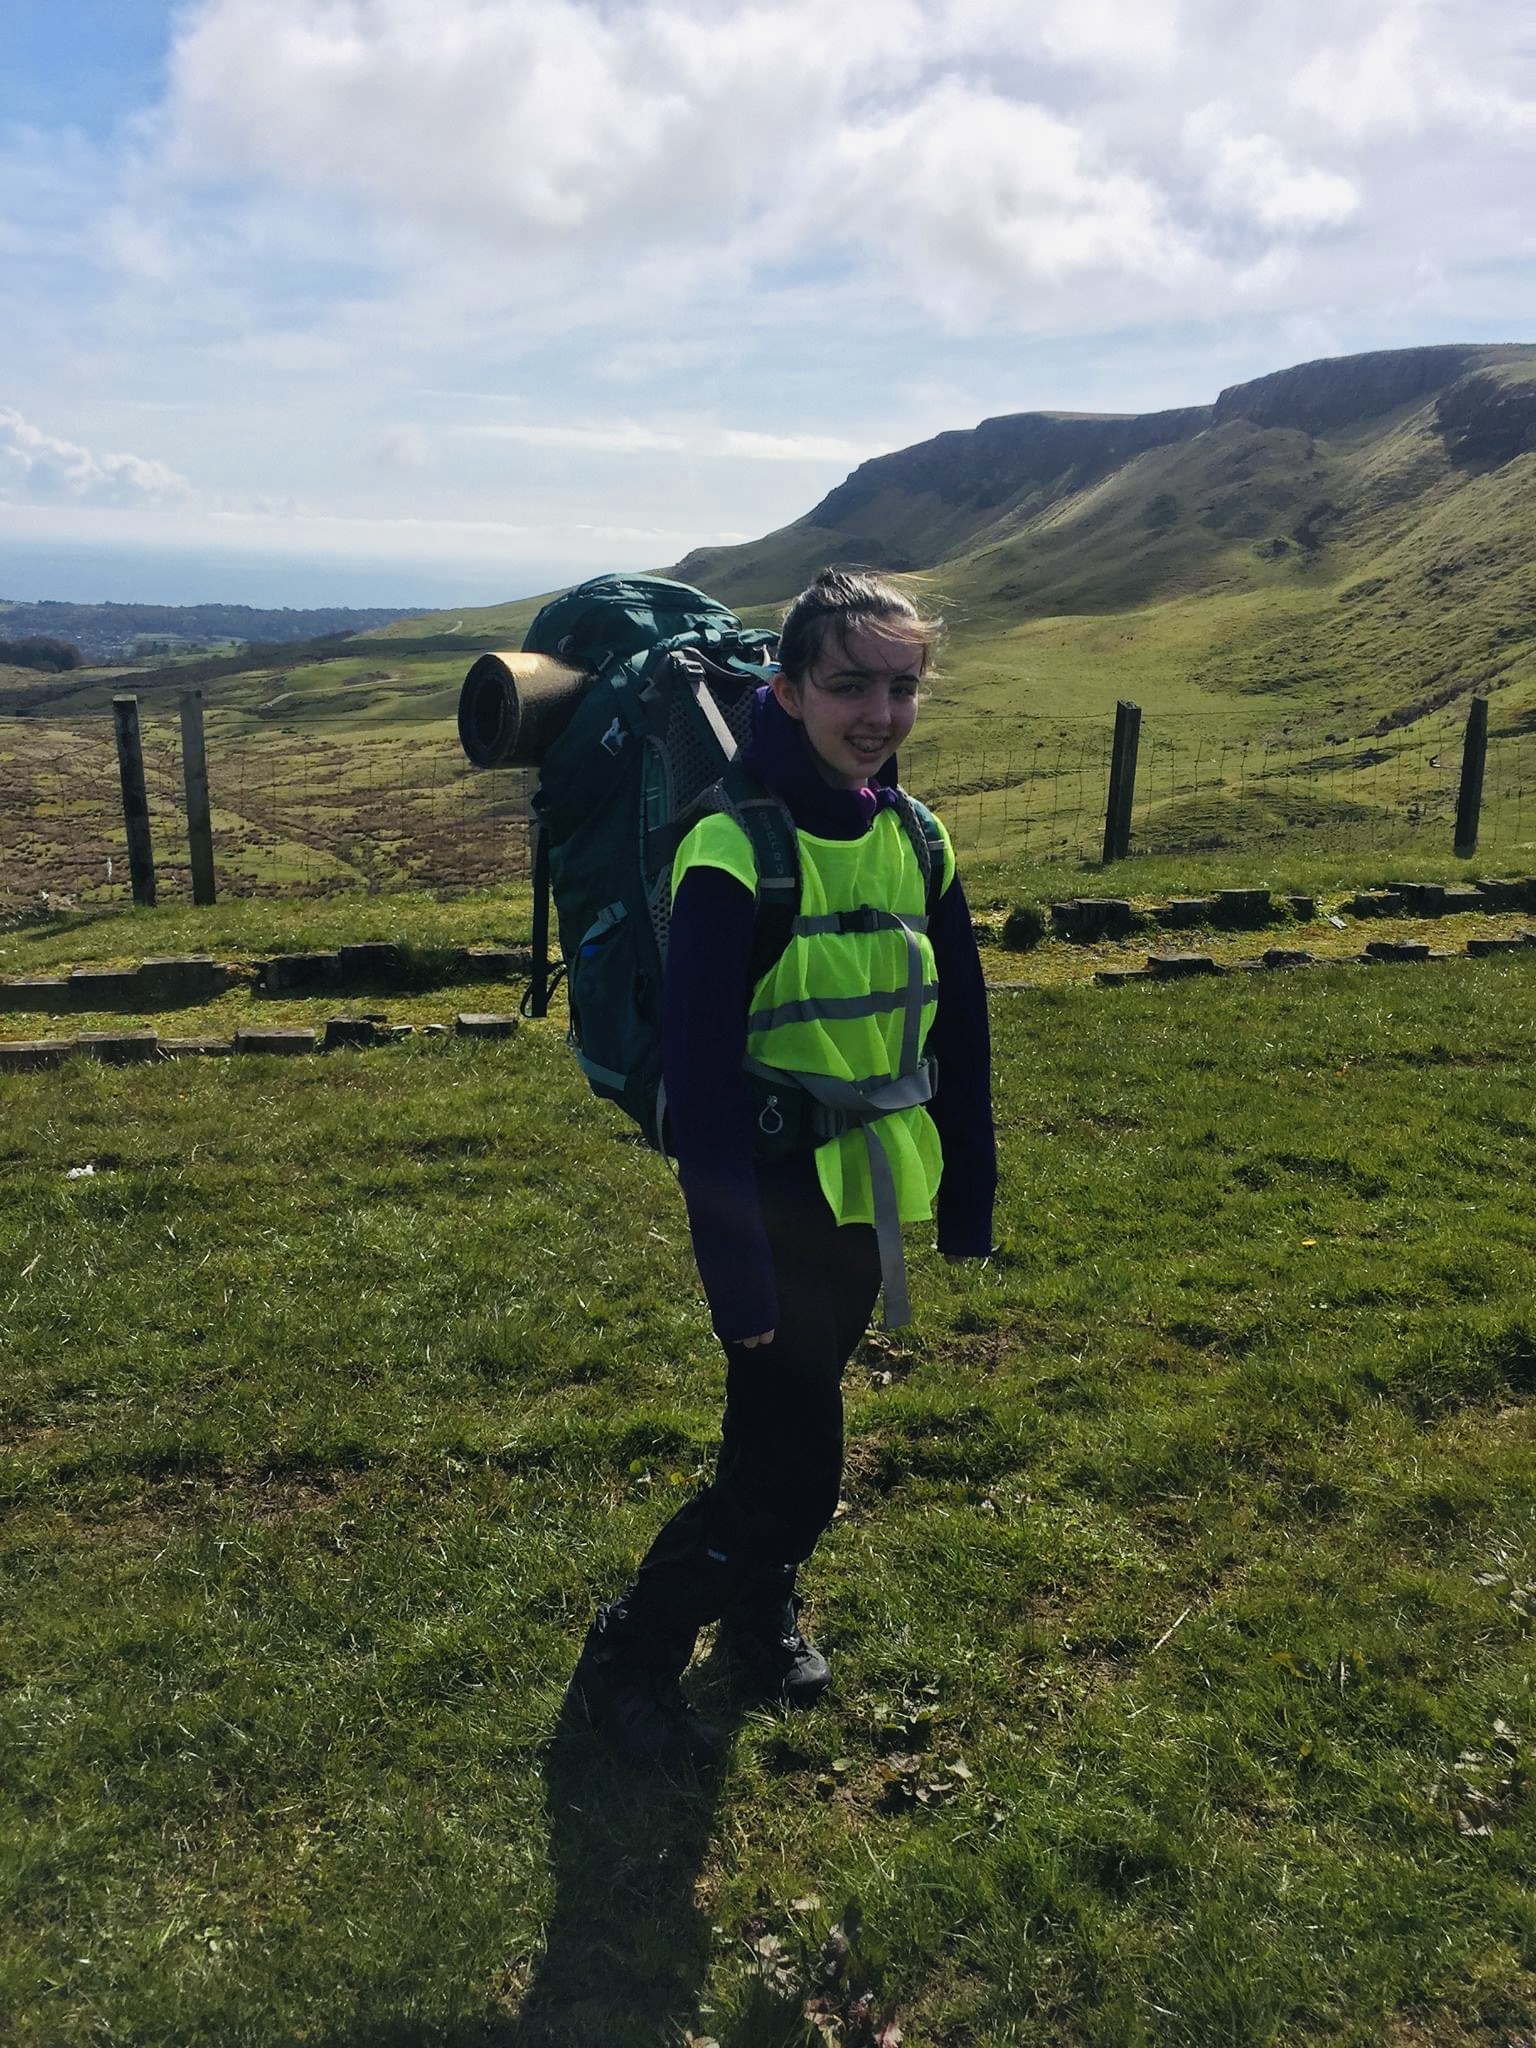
(41, 468)
(620, 438)
(975, 199)
(1399, 77)
(404, 448)
(628, 437)
(456, 257)
(1252, 175)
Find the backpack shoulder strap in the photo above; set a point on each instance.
(770, 829)
(927, 837)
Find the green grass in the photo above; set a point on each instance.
(1197, 1528)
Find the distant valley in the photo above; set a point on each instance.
(118, 632)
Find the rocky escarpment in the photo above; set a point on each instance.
(1486, 421)
(1343, 391)
(1005, 458)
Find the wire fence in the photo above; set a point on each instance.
(322, 809)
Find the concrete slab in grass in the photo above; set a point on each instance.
(494, 963)
(1185, 911)
(293, 974)
(1178, 966)
(355, 1032)
(181, 978)
(1481, 948)
(104, 988)
(1398, 950)
(119, 1048)
(1286, 956)
(196, 1048)
(485, 1024)
(376, 960)
(31, 1055)
(279, 1038)
(48, 993)
(1242, 908)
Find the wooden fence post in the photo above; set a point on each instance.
(130, 770)
(194, 773)
(1122, 782)
(538, 989)
(1469, 800)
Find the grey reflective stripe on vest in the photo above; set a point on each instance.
(815, 1009)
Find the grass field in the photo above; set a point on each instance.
(1181, 1608)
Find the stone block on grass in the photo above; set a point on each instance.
(1184, 911)
(1377, 903)
(280, 1038)
(119, 1048)
(196, 1048)
(1302, 908)
(292, 974)
(48, 993)
(1241, 909)
(1179, 966)
(31, 1055)
(494, 963)
(1086, 918)
(485, 1024)
(1464, 899)
(1480, 949)
(358, 1032)
(1502, 895)
(374, 960)
(1398, 950)
(182, 978)
(105, 988)
(1286, 956)
(1422, 899)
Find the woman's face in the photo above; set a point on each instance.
(858, 699)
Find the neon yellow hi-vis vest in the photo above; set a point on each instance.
(836, 1002)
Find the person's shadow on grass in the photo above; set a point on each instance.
(627, 1941)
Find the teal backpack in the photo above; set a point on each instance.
(648, 751)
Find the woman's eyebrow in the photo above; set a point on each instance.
(868, 675)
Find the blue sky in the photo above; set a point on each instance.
(447, 300)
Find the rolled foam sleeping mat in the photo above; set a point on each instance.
(512, 706)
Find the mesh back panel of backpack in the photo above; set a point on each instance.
(693, 762)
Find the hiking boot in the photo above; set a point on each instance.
(638, 1709)
(786, 1664)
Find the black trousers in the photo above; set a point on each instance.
(735, 1547)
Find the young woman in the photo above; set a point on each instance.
(786, 1243)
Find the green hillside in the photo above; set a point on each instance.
(1302, 584)
(1349, 541)
(1346, 544)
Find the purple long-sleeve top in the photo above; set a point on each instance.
(704, 1037)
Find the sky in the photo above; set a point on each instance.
(449, 301)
